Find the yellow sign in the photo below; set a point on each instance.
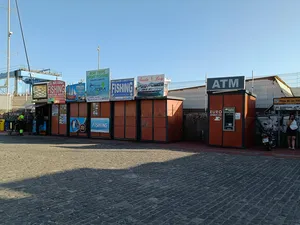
(286, 101)
(39, 91)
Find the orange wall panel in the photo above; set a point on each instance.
(147, 134)
(146, 122)
(131, 108)
(104, 135)
(119, 109)
(146, 108)
(250, 121)
(82, 109)
(119, 131)
(173, 107)
(130, 133)
(130, 121)
(160, 134)
(62, 129)
(160, 122)
(54, 125)
(234, 138)
(105, 109)
(82, 134)
(74, 109)
(119, 121)
(215, 127)
(159, 108)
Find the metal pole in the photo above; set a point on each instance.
(98, 49)
(205, 95)
(9, 33)
(252, 88)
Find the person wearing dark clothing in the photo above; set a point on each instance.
(29, 122)
(39, 121)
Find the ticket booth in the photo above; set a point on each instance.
(231, 113)
(232, 119)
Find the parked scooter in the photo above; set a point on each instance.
(269, 139)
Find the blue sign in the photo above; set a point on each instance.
(33, 80)
(76, 92)
(100, 125)
(97, 85)
(43, 127)
(122, 89)
(77, 124)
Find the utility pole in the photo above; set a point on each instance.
(98, 49)
(252, 83)
(9, 33)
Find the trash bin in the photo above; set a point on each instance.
(2, 124)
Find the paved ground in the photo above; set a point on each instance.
(69, 181)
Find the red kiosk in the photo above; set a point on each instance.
(231, 113)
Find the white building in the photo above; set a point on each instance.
(265, 88)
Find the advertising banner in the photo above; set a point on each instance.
(57, 92)
(63, 119)
(286, 101)
(151, 86)
(54, 110)
(63, 114)
(39, 91)
(122, 89)
(43, 128)
(77, 124)
(100, 125)
(76, 92)
(97, 85)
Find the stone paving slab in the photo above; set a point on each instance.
(63, 181)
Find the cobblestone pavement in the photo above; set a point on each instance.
(70, 181)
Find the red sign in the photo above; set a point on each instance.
(57, 92)
(215, 113)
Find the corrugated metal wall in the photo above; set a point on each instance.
(265, 89)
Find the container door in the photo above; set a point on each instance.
(147, 120)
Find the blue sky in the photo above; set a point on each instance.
(184, 39)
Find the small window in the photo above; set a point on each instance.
(229, 119)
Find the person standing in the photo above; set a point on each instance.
(291, 131)
(29, 122)
(21, 121)
(39, 121)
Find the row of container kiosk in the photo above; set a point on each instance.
(151, 119)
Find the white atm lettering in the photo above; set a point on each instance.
(225, 83)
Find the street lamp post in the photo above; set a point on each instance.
(9, 33)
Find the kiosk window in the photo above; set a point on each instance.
(228, 119)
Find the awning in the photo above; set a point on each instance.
(33, 105)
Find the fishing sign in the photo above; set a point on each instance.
(122, 89)
(57, 92)
(97, 85)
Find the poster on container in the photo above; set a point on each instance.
(122, 89)
(100, 125)
(76, 92)
(54, 110)
(63, 119)
(57, 92)
(97, 85)
(77, 124)
(151, 86)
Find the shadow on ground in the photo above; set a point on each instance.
(198, 189)
(86, 143)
